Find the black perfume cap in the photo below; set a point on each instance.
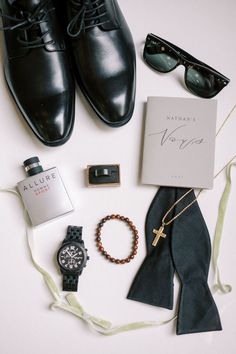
(32, 166)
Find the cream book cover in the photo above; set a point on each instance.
(179, 142)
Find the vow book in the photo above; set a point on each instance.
(179, 142)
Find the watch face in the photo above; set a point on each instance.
(71, 257)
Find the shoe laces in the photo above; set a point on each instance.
(88, 14)
(30, 21)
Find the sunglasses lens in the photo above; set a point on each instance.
(160, 57)
(204, 83)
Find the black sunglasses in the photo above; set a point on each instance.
(200, 78)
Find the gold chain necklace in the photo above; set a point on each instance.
(159, 232)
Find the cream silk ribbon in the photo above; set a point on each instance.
(219, 286)
(70, 303)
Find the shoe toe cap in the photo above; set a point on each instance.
(112, 98)
(118, 110)
(51, 118)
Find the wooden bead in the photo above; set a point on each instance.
(135, 239)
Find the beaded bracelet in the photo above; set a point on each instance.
(135, 239)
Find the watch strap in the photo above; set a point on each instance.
(74, 233)
(70, 282)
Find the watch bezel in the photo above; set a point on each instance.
(77, 244)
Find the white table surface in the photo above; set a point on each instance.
(207, 30)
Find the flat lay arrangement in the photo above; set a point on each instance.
(53, 50)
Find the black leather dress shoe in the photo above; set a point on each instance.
(37, 68)
(104, 58)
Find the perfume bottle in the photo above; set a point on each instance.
(43, 193)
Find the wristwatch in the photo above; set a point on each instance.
(72, 258)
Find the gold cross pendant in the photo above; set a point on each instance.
(159, 233)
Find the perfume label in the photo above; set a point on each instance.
(44, 196)
(39, 185)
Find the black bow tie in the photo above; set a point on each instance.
(186, 250)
